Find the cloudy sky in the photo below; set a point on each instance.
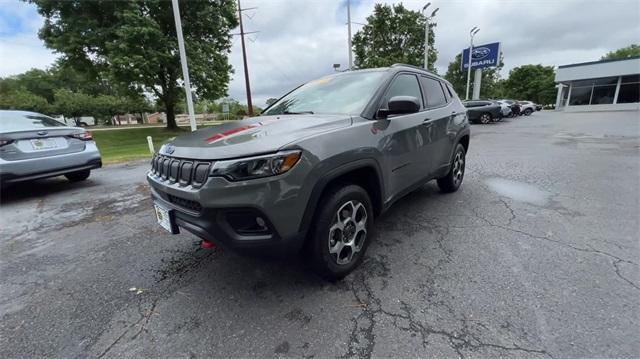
(299, 40)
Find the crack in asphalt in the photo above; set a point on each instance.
(144, 317)
(616, 260)
(362, 337)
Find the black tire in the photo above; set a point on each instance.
(528, 112)
(486, 118)
(83, 124)
(332, 205)
(452, 181)
(78, 176)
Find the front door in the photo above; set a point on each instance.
(405, 137)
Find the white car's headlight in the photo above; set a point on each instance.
(256, 167)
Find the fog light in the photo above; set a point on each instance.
(261, 223)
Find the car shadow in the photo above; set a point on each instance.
(40, 188)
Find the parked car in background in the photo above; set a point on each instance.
(316, 167)
(527, 107)
(515, 107)
(481, 111)
(538, 107)
(34, 146)
(505, 108)
(82, 121)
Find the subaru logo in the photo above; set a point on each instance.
(42, 133)
(480, 53)
(169, 149)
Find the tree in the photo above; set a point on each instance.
(270, 101)
(490, 86)
(393, 34)
(532, 82)
(134, 43)
(632, 50)
(24, 100)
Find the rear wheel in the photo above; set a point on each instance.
(452, 181)
(78, 176)
(528, 112)
(341, 231)
(485, 118)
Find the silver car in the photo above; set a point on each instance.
(34, 146)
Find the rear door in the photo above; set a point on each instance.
(405, 136)
(440, 115)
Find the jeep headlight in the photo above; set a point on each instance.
(256, 167)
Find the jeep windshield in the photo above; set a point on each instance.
(344, 93)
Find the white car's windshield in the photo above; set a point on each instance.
(346, 93)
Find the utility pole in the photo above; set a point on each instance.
(471, 35)
(244, 60)
(349, 34)
(183, 62)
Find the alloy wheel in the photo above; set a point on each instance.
(485, 118)
(458, 168)
(348, 232)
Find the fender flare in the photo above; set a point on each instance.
(321, 184)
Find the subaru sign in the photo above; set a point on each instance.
(482, 56)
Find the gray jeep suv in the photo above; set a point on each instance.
(315, 168)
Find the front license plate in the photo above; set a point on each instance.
(43, 143)
(163, 216)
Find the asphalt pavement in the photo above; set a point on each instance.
(536, 256)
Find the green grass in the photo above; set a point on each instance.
(131, 144)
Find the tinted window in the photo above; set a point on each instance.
(433, 92)
(629, 93)
(447, 95)
(13, 121)
(346, 93)
(451, 92)
(404, 85)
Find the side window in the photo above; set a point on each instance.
(404, 85)
(447, 95)
(450, 90)
(433, 90)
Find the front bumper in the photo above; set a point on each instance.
(212, 210)
(51, 166)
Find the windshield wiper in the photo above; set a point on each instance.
(298, 112)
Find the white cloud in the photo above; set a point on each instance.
(20, 47)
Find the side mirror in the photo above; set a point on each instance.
(400, 105)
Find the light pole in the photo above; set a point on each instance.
(183, 62)
(349, 34)
(426, 34)
(471, 35)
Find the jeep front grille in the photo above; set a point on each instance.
(185, 172)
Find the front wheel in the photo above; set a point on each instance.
(78, 176)
(452, 181)
(341, 231)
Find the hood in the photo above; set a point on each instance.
(253, 136)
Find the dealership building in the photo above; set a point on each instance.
(599, 85)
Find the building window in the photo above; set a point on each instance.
(593, 91)
(629, 89)
(580, 95)
(603, 95)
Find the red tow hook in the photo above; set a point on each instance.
(205, 244)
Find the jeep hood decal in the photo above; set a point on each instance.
(253, 136)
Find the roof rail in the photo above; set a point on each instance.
(415, 67)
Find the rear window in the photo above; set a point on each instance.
(433, 91)
(15, 121)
